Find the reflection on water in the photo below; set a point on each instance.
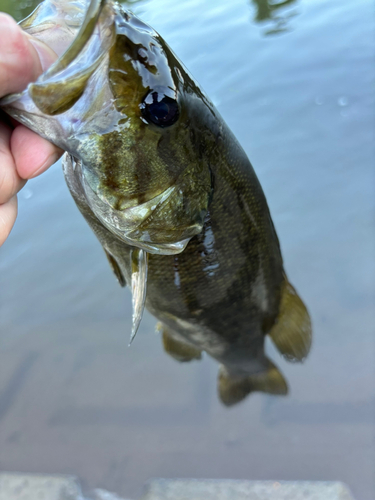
(74, 399)
(278, 13)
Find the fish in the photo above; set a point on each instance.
(168, 191)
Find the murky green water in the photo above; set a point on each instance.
(295, 84)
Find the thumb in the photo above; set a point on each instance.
(22, 57)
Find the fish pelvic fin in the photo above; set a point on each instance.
(176, 348)
(292, 332)
(234, 388)
(139, 262)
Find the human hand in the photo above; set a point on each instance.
(23, 154)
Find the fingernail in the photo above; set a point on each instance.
(46, 55)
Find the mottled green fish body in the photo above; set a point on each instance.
(168, 191)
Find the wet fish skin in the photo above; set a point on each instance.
(215, 273)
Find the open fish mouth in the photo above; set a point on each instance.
(80, 34)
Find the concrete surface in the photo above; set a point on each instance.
(191, 489)
(14, 486)
(17, 486)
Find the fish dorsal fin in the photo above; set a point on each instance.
(292, 332)
(139, 264)
(234, 388)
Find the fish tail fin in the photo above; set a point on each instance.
(292, 332)
(176, 348)
(234, 388)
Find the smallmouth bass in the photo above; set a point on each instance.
(168, 191)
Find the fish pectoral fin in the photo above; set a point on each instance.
(234, 388)
(178, 349)
(115, 268)
(139, 263)
(292, 332)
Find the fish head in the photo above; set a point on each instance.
(120, 102)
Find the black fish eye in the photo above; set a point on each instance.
(160, 109)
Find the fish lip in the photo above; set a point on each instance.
(11, 98)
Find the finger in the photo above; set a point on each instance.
(8, 214)
(32, 154)
(10, 181)
(22, 59)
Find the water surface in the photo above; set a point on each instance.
(295, 84)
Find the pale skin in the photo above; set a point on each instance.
(23, 154)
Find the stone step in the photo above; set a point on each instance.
(18, 486)
(193, 489)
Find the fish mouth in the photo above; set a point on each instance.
(80, 33)
(125, 224)
(56, 23)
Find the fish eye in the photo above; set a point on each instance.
(160, 109)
